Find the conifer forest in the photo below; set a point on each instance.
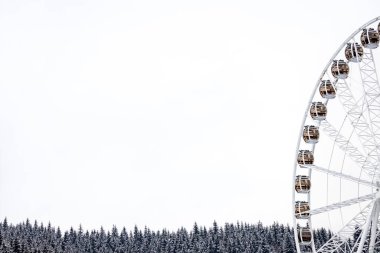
(34, 237)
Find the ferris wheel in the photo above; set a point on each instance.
(337, 166)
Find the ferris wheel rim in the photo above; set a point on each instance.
(324, 71)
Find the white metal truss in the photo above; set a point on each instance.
(374, 226)
(355, 114)
(365, 229)
(341, 204)
(371, 241)
(341, 175)
(376, 245)
(371, 87)
(372, 91)
(340, 239)
(368, 165)
(366, 241)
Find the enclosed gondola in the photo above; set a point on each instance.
(340, 69)
(370, 38)
(354, 52)
(318, 111)
(304, 235)
(305, 157)
(302, 184)
(327, 89)
(302, 210)
(310, 134)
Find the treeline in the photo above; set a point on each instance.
(231, 238)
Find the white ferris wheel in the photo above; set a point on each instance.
(337, 165)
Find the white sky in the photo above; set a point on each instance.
(158, 113)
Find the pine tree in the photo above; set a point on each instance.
(287, 245)
(16, 246)
(5, 224)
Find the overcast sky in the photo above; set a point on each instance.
(158, 113)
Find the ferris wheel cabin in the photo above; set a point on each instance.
(318, 111)
(327, 89)
(305, 157)
(340, 69)
(354, 52)
(302, 184)
(310, 134)
(370, 38)
(302, 209)
(304, 235)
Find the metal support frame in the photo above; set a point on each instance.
(346, 146)
(355, 114)
(374, 222)
(371, 87)
(341, 204)
(341, 175)
(365, 228)
(340, 239)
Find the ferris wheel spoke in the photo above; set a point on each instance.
(366, 241)
(355, 114)
(341, 175)
(374, 227)
(371, 87)
(365, 229)
(340, 239)
(368, 165)
(341, 204)
(377, 236)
